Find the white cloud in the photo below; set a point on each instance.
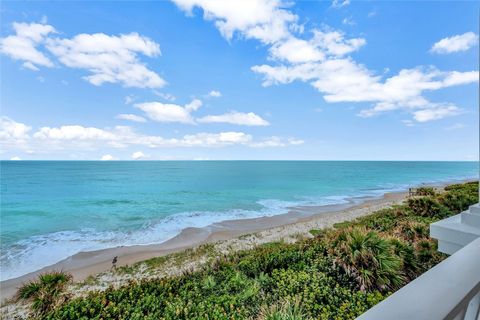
(167, 112)
(15, 158)
(322, 45)
(194, 105)
(343, 80)
(81, 138)
(129, 99)
(335, 44)
(215, 94)
(214, 139)
(340, 3)
(166, 96)
(264, 20)
(14, 135)
(323, 59)
(436, 112)
(122, 137)
(296, 50)
(270, 22)
(348, 21)
(111, 59)
(239, 118)
(457, 43)
(23, 45)
(107, 157)
(276, 142)
(74, 132)
(131, 117)
(139, 155)
(29, 65)
(12, 130)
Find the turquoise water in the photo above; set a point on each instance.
(53, 209)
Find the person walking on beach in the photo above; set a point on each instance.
(114, 263)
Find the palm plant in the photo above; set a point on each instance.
(427, 207)
(369, 259)
(45, 292)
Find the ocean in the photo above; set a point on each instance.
(51, 210)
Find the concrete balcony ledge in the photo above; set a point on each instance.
(456, 232)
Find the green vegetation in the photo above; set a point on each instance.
(46, 292)
(338, 274)
(425, 191)
(282, 311)
(369, 259)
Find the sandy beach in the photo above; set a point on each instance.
(231, 234)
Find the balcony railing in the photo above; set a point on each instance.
(450, 290)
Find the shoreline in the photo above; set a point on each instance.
(298, 220)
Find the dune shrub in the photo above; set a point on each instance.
(46, 292)
(368, 258)
(284, 310)
(425, 191)
(427, 207)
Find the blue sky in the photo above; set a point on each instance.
(207, 79)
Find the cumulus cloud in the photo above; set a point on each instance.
(335, 44)
(73, 132)
(12, 130)
(168, 112)
(131, 117)
(340, 3)
(14, 135)
(238, 118)
(108, 58)
(324, 60)
(457, 43)
(215, 94)
(276, 142)
(23, 45)
(344, 80)
(436, 112)
(15, 158)
(264, 20)
(322, 45)
(139, 155)
(107, 157)
(78, 137)
(296, 50)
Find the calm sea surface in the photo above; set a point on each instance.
(53, 209)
